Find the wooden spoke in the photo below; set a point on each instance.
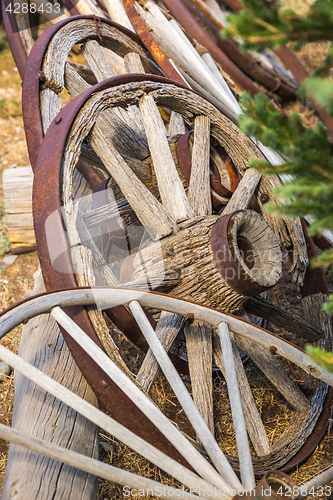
(254, 425)
(90, 465)
(150, 212)
(194, 458)
(276, 374)
(176, 124)
(124, 138)
(199, 187)
(101, 419)
(319, 481)
(167, 329)
(184, 398)
(244, 453)
(97, 60)
(243, 194)
(102, 69)
(200, 353)
(170, 186)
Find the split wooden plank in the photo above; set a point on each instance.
(275, 373)
(166, 330)
(17, 193)
(40, 414)
(200, 355)
(254, 425)
(194, 458)
(199, 186)
(96, 416)
(205, 436)
(170, 186)
(244, 453)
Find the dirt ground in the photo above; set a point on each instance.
(17, 279)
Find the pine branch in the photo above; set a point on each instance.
(261, 25)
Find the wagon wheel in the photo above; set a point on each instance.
(42, 102)
(181, 226)
(225, 329)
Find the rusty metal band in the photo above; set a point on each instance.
(31, 85)
(46, 203)
(220, 246)
(150, 44)
(13, 37)
(183, 16)
(250, 67)
(185, 164)
(315, 437)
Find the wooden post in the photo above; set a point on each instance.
(17, 193)
(37, 413)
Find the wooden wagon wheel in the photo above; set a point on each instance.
(225, 329)
(180, 215)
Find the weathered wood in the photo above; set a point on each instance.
(117, 13)
(275, 373)
(184, 266)
(40, 414)
(261, 307)
(103, 70)
(243, 448)
(149, 211)
(199, 186)
(100, 419)
(166, 330)
(123, 137)
(88, 464)
(50, 106)
(192, 412)
(81, 30)
(194, 458)
(17, 194)
(200, 353)
(177, 47)
(243, 194)
(254, 425)
(170, 187)
(176, 124)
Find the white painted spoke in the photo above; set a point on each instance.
(192, 412)
(92, 413)
(244, 453)
(179, 441)
(90, 465)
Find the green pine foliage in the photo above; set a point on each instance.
(307, 152)
(321, 357)
(262, 24)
